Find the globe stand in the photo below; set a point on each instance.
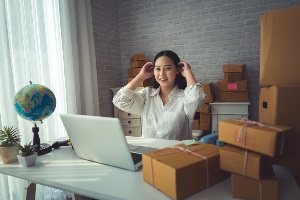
(43, 148)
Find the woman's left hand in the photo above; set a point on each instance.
(184, 68)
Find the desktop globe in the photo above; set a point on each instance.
(35, 103)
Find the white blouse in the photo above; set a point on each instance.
(173, 121)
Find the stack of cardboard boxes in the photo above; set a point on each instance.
(137, 61)
(280, 77)
(202, 119)
(233, 88)
(248, 156)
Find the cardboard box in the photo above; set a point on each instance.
(248, 188)
(233, 96)
(205, 108)
(180, 174)
(145, 83)
(280, 105)
(237, 86)
(205, 121)
(209, 91)
(270, 140)
(280, 47)
(137, 63)
(196, 124)
(133, 72)
(233, 68)
(138, 57)
(244, 162)
(233, 76)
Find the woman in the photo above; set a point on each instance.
(169, 107)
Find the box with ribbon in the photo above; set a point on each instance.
(180, 171)
(270, 140)
(248, 188)
(244, 162)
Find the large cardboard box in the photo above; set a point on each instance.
(280, 105)
(237, 86)
(209, 91)
(248, 188)
(244, 162)
(233, 96)
(280, 47)
(233, 76)
(270, 140)
(179, 173)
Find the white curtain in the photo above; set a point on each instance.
(48, 42)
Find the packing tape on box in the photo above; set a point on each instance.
(179, 149)
(247, 123)
(245, 163)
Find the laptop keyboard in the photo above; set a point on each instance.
(136, 157)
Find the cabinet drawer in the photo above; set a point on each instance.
(126, 115)
(132, 131)
(233, 108)
(130, 122)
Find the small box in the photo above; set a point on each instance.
(209, 91)
(138, 57)
(237, 86)
(205, 121)
(133, 72)
(280, 47)
(233, 96)
(205, 108)
(137, 64)
(248, 164)
(248, 188)
(196, 124)
(233, 68)
(270, 140)
(233, 76)
(179, 173)
(145, 83)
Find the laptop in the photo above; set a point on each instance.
(102, 140)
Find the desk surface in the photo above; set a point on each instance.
(62, 169)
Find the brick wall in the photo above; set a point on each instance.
(205, 33)
(107, 47)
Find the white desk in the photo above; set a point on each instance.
(62, 169)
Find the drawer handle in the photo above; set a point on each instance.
(129, 114)
(129, 122)
(129, 131)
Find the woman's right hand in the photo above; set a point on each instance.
(147, 70)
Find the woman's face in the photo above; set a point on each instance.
(165, 71)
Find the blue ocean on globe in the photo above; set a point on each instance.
(35, 102)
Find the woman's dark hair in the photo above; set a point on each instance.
(179, 80)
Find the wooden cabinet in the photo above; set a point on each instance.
(131, 123)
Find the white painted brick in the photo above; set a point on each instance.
(206, 33)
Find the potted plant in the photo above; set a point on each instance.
(9, 144)
(27, 156)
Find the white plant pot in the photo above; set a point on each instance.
(27, 161)
(9, 154)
